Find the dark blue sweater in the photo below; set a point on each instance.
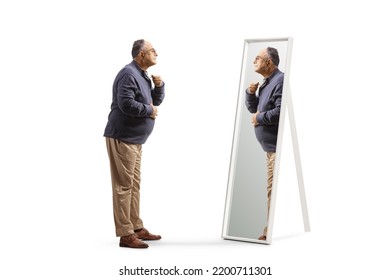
(129, 119)
(268, 103)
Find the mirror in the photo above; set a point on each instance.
(256, 146)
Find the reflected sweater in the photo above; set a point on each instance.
(268, 102)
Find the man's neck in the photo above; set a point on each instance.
(270, 72)
(141, 64)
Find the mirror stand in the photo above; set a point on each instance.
(297, 157)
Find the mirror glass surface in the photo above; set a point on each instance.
(246, 207)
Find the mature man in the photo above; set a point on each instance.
(130, 122)
(265, 109)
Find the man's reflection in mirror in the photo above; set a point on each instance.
(264, 102)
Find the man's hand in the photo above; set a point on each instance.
(154, 113)
(253, 87)
(254, 120)
(157, 81)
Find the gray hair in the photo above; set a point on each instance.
(137, 47)
(273, 55)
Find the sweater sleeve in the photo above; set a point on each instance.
(127, 103)
(158, 95)
(251, 102)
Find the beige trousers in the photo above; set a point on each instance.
(270, 178)
(125, 166)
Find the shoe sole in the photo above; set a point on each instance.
(147, 239)
(134, 247)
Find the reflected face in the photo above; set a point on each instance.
(149, 55)
(261, 62)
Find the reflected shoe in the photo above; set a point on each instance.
(263, 237)
(144, 234)
(131, 241)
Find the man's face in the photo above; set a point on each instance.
(261, 62)
(149, 55)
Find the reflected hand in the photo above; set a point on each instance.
(254, 119)
(155, 112)
(157, 81)
(253, 87)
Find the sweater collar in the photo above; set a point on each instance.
(142, 72)
(275, 73)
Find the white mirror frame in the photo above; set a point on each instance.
(236, 133)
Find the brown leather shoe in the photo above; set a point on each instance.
(144, 234)
(263, 237)
(132, 241)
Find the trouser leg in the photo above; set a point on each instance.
(135, 198)
(125, 166)
(270, 177)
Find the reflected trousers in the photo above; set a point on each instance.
(270, 178)
(125, 166)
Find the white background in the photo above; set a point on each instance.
(58, 60)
